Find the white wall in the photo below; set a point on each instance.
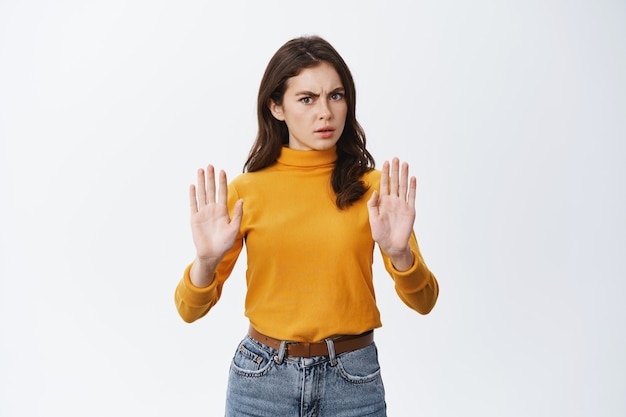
(512, 115)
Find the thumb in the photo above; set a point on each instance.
(372, 203)
(237, 212)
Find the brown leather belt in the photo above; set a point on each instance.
(308, 350)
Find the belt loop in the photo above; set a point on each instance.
(331, 351)
(281, 352)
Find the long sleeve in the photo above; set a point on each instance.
(193, 302)
(416, 287)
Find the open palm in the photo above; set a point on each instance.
(213, 230)
(392, 210)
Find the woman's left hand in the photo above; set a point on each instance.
(392, 213)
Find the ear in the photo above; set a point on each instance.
(277, 110)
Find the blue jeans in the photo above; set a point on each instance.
(263, 382)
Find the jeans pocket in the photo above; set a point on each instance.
(359, 366)
(251, 359)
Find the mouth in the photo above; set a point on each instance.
(325, 132)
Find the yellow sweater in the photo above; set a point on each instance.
(309, 273)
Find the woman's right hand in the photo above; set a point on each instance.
(212, 229)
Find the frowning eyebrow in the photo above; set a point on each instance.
(312, 94)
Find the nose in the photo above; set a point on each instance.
(324, 110)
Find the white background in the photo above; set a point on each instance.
(512, 115)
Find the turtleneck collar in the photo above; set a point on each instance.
(299, 158)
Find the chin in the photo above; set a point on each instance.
(324, 147)
(325, 144)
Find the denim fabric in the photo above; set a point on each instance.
(262, 384)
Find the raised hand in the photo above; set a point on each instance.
(392, 213)
(212, 229)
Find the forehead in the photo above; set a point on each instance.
(323, 76)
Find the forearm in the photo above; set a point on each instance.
(201, 285)
(423, 298)
(416, 285)
(193, 302)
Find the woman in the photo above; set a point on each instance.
(314, 207)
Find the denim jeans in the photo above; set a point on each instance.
(263, 382)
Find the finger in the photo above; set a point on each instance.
(201, 189)
(373, 205)
(237, 212)
(404, 181)
(384, 179)
(412, 192)
(373, 201)
(223, 190)
(395, 175)
(193, 202)
(210, 185)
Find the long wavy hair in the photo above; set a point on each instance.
(353, 159)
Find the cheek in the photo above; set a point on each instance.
(296, 119)
(339, 108)
(343, 112)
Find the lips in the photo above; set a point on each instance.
(325, 132)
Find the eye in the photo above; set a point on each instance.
(336, 96)
(306, 100)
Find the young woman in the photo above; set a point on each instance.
(309, 208)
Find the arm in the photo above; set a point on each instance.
(417, 287)
(214, 235)
(392, 215)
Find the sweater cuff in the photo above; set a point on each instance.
(414, 279)
(197, 296)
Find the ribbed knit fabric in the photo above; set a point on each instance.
(309, 272)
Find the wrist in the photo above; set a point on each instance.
(403, 261)
(208, 263)
(202, 272)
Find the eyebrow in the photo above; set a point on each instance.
(312, 94)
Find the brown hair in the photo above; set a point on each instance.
(353, 159)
